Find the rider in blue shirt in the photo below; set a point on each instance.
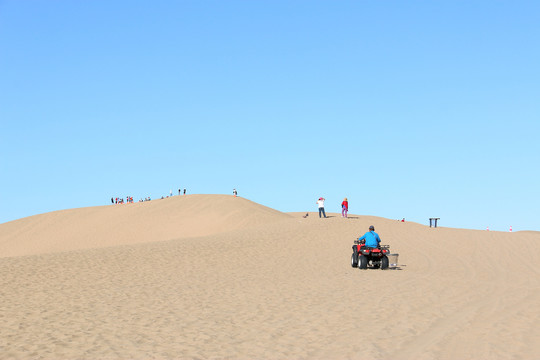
(371, 237)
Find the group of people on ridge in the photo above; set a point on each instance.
(129, 199)
(344, 207)
(372, 239)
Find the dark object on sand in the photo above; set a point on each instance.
(433, 221)
(305, 216)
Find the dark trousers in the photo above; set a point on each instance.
(322, 210)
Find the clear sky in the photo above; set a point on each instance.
(411, 109)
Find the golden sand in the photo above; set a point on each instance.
(218, 277)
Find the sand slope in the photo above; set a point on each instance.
(156, 220)
(273, 287)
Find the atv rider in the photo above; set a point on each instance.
(372, 239)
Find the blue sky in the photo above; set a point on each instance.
(410, 109)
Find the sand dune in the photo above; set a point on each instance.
(214, 277)
(105, 226)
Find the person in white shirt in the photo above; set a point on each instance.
(320, 202)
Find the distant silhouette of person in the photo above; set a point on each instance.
(235, 193)
(344, 208)
(184, 191)
(112, 200)
(320, 203)
(179, 192)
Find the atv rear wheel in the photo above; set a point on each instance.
(354, 259)
(384, 262)
(362, 262)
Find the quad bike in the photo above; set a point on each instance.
(364, 257)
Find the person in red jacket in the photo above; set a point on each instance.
(344, 208)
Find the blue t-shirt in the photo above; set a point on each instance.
(372, 239)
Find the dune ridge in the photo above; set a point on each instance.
(262, 284)
(112, 225)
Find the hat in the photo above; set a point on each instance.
(320, 198)
(371, 227)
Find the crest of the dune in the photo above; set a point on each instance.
(113, 225)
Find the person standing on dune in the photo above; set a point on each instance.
(344, 208)
(320, 202)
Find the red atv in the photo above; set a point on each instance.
(375, 258)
